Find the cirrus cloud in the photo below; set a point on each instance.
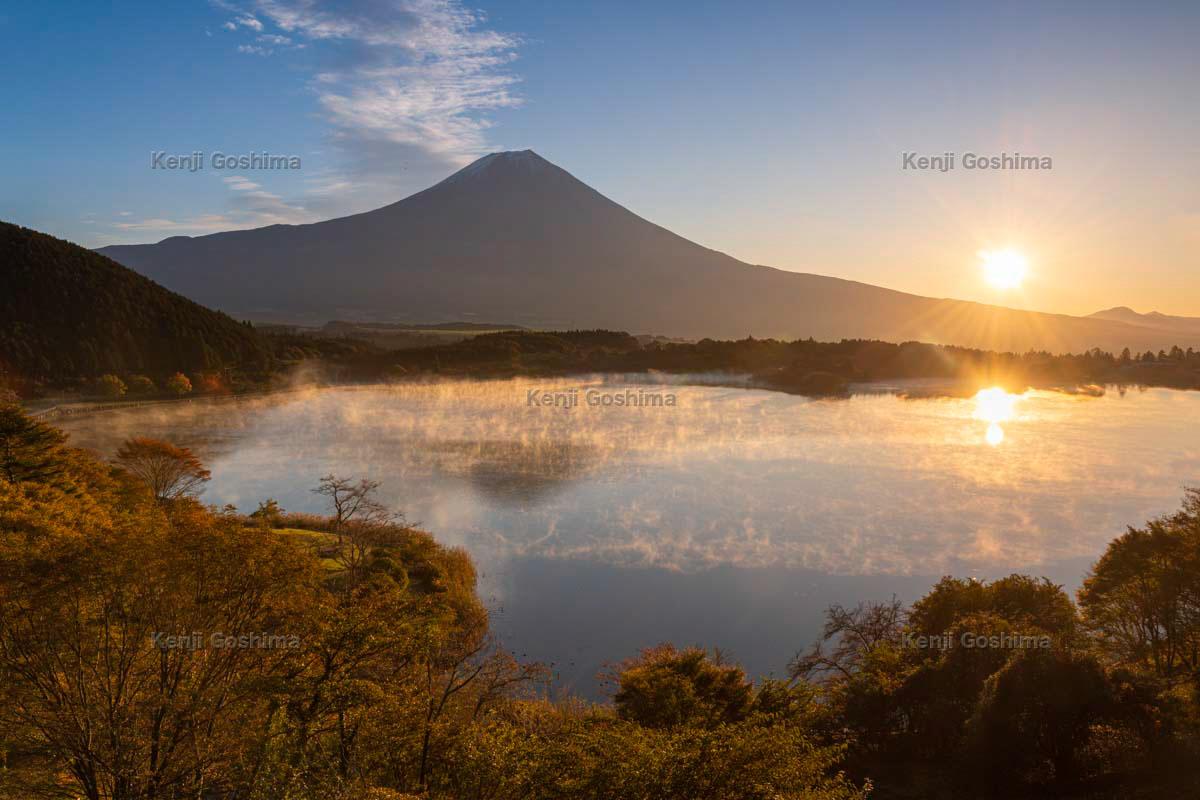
(419, 76)
(405, 86)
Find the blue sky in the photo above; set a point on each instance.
(772, 131)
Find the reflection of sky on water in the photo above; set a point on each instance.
(873, 484)
(578, 616)
(731, 478)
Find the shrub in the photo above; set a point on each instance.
(178, 384)
(141, 385)
(111, 386)
(269, 514)
(208, 383)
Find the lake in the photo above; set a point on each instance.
(729, 518)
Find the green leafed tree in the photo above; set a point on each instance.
(1142, 598)
(1034, 719)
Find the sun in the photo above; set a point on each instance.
(1003, 269)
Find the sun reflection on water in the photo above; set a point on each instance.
(995, 406)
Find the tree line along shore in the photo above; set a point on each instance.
(802, 366)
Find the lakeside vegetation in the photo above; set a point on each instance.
(153, 647)
(803, 366)
(819, 369)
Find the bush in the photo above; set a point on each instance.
(306, 522)
(208, 383)
(667, 688)
(542, 751)
(141, 385)
(111, 386)
(179, 385)
(269, 514)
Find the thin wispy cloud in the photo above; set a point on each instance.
(251, 22)
(406, 87)
(240, 183)
(206, 223)
(254, 205)
(250, 206)
(411, 77)
(407, 93)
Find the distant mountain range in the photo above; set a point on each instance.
(515, 238)
(1185, 327)
(68, 312)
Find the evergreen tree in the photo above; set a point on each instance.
(29, 450)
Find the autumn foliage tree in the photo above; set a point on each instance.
(179, 384)
(89, 677)
(169, 471)
(338, 684)
(666, 687)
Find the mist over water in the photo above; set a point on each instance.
(730, 519)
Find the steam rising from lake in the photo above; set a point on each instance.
(872, 485)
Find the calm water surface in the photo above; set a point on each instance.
(731, 519)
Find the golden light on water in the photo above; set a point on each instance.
(995, 406)
(1003, 269)
(995, 434)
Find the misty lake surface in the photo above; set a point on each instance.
(731, 519)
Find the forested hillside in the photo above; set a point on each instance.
(70, 313)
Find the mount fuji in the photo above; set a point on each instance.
(515, 238)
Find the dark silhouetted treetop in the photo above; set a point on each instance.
(29, 450)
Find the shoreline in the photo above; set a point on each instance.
(912, 388)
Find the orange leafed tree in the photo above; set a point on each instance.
(170, 471)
